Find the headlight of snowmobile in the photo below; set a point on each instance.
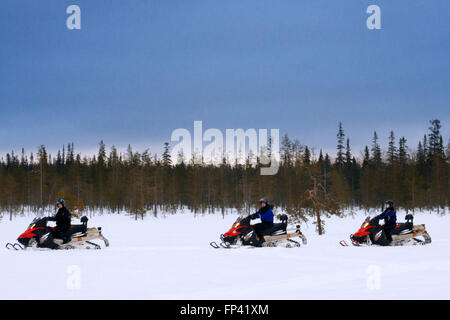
(365, 225)
(236, 224)
(31, 226)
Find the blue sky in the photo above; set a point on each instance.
(137, 70)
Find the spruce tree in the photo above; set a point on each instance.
(376, 151)
(392, 149)
(166, 157)
(340, 147)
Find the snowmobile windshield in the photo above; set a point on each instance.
(33, 223)
(366, 222)
(238, 222)
(37, 222)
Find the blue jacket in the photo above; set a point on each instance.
(265, 215)
(389, 216)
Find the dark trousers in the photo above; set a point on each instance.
(62, 234)
(388, 228)
(261, 227)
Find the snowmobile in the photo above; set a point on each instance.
(372, 233)
(39, 235)
(243, 234)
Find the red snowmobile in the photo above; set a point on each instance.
(372, 233)
(39, 235)
(243, 234)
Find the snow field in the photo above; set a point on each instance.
(169, 257)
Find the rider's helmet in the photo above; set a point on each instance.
(61, 201)
(265, 200)
(390, 203)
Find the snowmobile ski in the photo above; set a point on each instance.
(356, 243)
(214, 245)
(14, 246)
(223, 245)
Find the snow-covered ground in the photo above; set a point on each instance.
(170, 258)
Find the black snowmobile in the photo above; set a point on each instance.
(372, 233)
(39, 235)
(243, 234)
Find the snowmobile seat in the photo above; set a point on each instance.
(77, 228)
(402, 226)
(276, 227)
(74, 229)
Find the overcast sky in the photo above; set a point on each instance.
(137, 70)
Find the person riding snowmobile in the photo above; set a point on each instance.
(266, 215)
(390, 219)
(63, 223)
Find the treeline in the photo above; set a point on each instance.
(140, 182)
